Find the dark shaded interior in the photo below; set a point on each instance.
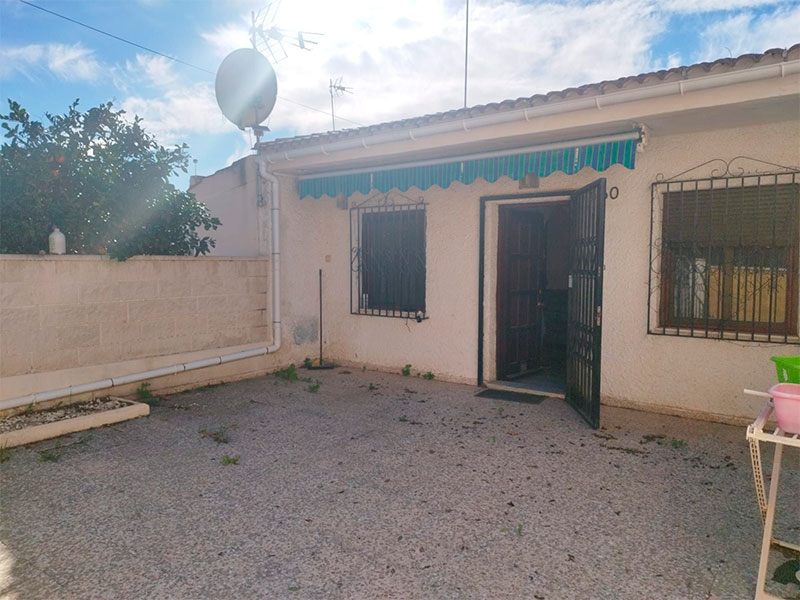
(547, 372)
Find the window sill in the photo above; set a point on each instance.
(392, 314)
(729, 336)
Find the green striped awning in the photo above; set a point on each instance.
(570, 160)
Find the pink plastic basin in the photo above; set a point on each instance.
(786, 398)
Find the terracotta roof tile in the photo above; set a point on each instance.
(721, 65)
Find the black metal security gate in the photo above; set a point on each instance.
(585, 304)
(723, 252)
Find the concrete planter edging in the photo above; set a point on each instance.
(37, 433)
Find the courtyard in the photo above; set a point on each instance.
(360, 484)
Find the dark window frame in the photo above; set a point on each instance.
(388, 257)
(733, 271)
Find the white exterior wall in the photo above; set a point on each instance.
(684, 373)
(694, 377)
(687, 376)
(231, 194)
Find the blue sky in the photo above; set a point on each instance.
(402, 58)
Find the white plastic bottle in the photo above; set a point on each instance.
(58, 243)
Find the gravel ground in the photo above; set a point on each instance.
(383, 486)
(29, 419)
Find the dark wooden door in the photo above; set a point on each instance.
(520, 271)
(585, 303)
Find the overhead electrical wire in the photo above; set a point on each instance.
(324, 112)
(116, 37)
(157, 53)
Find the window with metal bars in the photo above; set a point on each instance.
(388, 259)
(726, 262)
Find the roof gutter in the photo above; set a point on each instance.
(597, 102)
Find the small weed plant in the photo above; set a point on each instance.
(406, 370)
(289, 373)
(314, 387)
(678, 444)
(307, 363)
(143, 394)
(50, 455)
(5, 454)
(219, 435)
(230, 460)
(429, 376)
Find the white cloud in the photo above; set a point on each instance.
(673, 60)
(145, 71)
(20, 59)
(228, 37)
(179, 112)
(69, 62)
(702, 6)
(75, 62)
(408, 60)
(749, 32)
(72, 62)
(156, 70)
(243, 147)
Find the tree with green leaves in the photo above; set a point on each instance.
(102, 179)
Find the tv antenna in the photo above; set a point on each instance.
(266, 36)
(337, 89)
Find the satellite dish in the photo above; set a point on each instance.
(246, 87)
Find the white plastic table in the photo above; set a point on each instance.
(756, 433)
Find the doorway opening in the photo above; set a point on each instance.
(533, 272)
(526, 247)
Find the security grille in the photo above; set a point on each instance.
(723, 255)
(387, 249)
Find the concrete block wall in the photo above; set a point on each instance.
(77, 312)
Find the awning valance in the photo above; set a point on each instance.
(570, 159)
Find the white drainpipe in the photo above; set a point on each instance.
(197, 364)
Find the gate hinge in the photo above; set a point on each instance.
(599, 316)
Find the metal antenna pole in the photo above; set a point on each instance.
(337, 89)
(333, 117)
(466, 54)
